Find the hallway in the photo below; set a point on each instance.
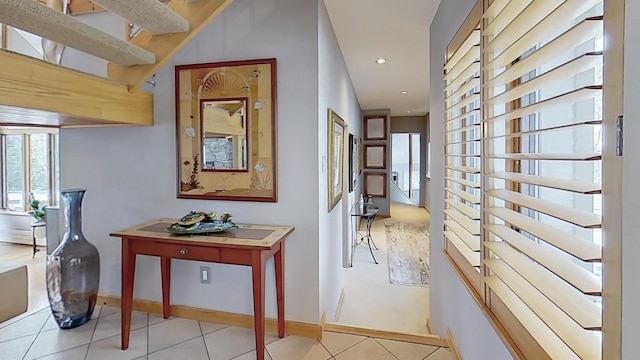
(369, 299)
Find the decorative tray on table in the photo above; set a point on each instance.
(198, 222)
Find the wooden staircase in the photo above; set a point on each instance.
(34, 92)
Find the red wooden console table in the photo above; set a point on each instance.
(249, 245)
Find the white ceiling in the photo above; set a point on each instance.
(396, 30)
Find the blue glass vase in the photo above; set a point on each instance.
(73, 269)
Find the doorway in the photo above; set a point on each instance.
(405, 168)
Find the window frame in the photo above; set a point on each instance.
(52, 164)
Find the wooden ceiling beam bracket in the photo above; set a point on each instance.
(198, 14)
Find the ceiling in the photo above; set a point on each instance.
(396, 30)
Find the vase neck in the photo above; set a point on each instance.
(73, 212)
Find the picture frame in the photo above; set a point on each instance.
(354, 166)
(375, 156)
(375, 184)
(360, 156)
(337, 128)
(375, 127)
(226, 130)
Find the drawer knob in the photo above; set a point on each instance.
(184, 251)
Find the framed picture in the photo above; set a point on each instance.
(375, 127)
(336, 138)
(360, 156)
(225, 129)
(375, 184)
(375, 156)
(354, 166)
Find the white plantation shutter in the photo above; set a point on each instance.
(462, 133)
(523, 160)
(543, 110)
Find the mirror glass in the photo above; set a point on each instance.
(224, 134)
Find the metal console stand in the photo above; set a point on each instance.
(369, 212)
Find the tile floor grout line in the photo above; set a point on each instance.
(86, 354)
(389, 351)
(176, 344)
(148, 326)
(431, 353)
(37, 334)
(340, 352)
(205, 343)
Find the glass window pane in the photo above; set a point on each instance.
(40, 167)
(15, 172)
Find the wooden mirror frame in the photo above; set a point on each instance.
(253, 79)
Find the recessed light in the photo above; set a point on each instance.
(408, 111)
(404, 92)
(381, 61)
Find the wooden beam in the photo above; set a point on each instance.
(35, 92)
(199, 14)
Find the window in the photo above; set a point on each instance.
(532, 203)
(30, 167)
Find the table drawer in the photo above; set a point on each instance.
(176, 251)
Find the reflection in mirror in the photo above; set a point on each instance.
(224, 134)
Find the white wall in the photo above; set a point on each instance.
(451, 304)
(130, 172)
(630, 181)
(335, 91)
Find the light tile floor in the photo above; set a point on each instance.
(154, 338)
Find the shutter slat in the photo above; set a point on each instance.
(495, 8)
(472, 40)
(572, 273)
(580, 33)
(473, 242)
(505, 17)
(465, 182)
(577, 312)
(466, 128)
(580, 187)
(470, 212)
(464, 195)
(538, 156)
(570, 97)
(548, 340)
(533, 24)
(549, 129)
(464, 116)
(471, 226)
(472, 69)
(582, 249)
(464, 169)
(464, 103)
(471, 56)
(569, 69)
(472, 257)
(571, 215)
(465, 88)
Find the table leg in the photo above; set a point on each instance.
(128, 272)
(279, 265)
(257, 267)
(33, 234)
(165, 266)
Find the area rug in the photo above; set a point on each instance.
(408, 253)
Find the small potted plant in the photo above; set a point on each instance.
(37, 209)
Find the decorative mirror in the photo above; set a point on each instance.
(225, 124)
